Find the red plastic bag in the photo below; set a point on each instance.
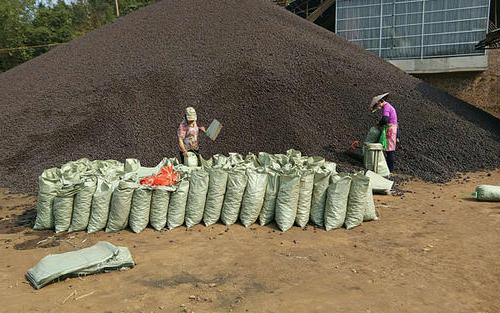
(147, 180)
(166, 177)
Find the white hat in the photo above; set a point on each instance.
(191, 114)
(377, 99)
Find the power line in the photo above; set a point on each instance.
(29, 47)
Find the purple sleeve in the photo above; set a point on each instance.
(385, 111)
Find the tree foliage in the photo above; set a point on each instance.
(28, 23)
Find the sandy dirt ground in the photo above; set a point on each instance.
(434, 250)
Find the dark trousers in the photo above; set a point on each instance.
(390, 155)
(197, 152)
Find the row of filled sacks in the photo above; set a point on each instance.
(287, 188)
(99, 202)
(70, 189)
(66, 194)
(223, 189)
(69, 180)
(324, 198)
(247, 188)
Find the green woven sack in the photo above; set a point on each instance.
(357, 203)
(370, 212)
(63, 207)
(268, 208)
(336, 201)
(49, 184)
(159, 208)
(177, 205)
(101, 202)
(121, 203)
(197, 196)
(236, 183)
(140, 209)
(321, 183)
(487, 193)
(305, 198)
(82, 205)
(287, 201)
(215, 196)
(253, 198)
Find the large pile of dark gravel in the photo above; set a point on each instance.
(273, 79)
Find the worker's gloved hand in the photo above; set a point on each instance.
(185, 154)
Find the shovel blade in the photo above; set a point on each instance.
(214, 130)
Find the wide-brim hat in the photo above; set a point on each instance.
(191, 114)
(377, 99)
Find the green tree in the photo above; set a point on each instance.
(51, 25)
(15, 22)
(25, 24)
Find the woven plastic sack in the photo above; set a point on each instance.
(330, 167)
(269, 206)
(287, 201)
(111, 169)
(357, 203)
(336, 201)
(253, 198)
(149, 171)
(215, 196)
(235, 159)
(282, 159)
(378, 183)
(206, 164)
(177, 205)
(121, 202)
(101, 202)
(321, 183)
(82, 205)
(314, 163)
(369, 160)
(487, 193)
(49, 184)
(191, 160)
(219, 161)
(63, 208)
(373, 135)
(197, 196)
(305, 197)
(159, 208)
(251, 160)
(141, 206)
(131, 165)
(101, 257)
(370, 212)
(236, 183)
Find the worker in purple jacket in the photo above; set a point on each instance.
(389, 121)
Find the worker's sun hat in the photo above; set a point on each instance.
(377, 99)
(191, 114)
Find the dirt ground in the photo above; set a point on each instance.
(433, 250)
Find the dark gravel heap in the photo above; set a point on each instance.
(273, 79)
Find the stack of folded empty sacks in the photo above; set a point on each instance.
(286, 188)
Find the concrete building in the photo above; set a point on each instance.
(434, 40)
(418, 36)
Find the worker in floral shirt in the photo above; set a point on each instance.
(188, 133)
